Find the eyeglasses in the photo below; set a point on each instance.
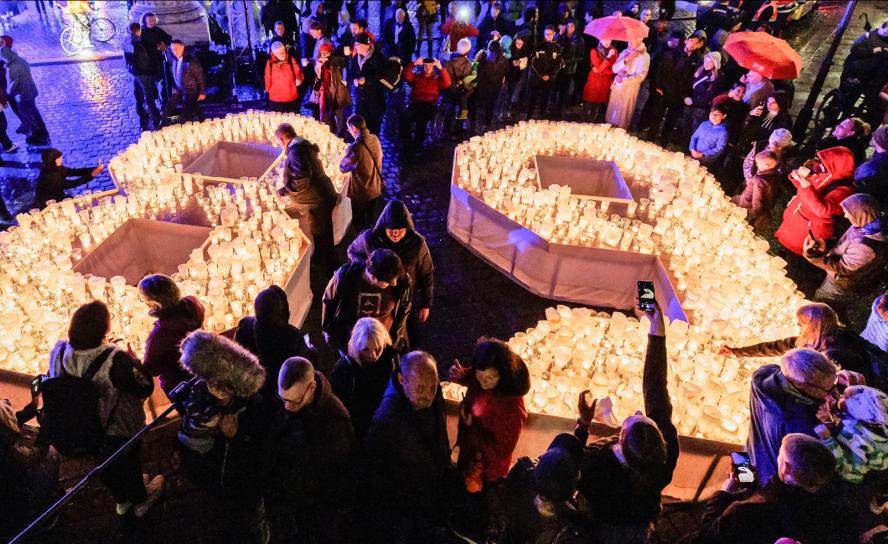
(806, 388)
(296, 402)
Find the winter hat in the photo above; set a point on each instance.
(556, 472)
(716, 59)
(7, 41)
(362, 39)
(866, 404)
(700, 34)
(781, 138)
(272, 307)
(880, 137)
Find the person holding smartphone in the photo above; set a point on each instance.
(623, 477)
(800, 502)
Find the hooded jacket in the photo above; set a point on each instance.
(121, 382)
(270, 336)
(857, 262)
(282, 77)
(53, 180)
(776, 409)
(309, 455)
(412, 249)
(21, 83)
(162, 345)
(819, 203)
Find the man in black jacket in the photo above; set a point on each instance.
(308, 453)
(364, 72)
(378, 288)
(138, 63)
(394, 230)
(801, 502)
(545, 64)
(189, 85)
(409, 477)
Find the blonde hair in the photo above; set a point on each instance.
(819, 323)
(367, 332)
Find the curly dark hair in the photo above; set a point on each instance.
(494, 353)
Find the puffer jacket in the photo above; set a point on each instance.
(818, 204)
(857, 262)
(282, 77)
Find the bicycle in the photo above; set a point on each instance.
(76, 35)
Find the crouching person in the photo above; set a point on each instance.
(222, 418)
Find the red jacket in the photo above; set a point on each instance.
(282, 78)
(162, 345)
(598, 83)
(816, 205)
(427, 88)
(497, 421)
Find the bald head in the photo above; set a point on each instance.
(419, 377)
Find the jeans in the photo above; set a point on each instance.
(334, 117)
(145, 93)
(540, 92)
(425, 29)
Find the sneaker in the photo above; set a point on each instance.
(121, 508)
(14, 147)
(154, 489)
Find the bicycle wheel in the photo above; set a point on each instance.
(830, 111)
(102, 30)
(71, 40)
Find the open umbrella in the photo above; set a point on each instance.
(766, 54)
(617, 27)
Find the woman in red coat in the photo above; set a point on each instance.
(492, 414)
(282, 77)
(818, 197)
(597, 89)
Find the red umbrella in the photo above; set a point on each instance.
(766, 54)
(617, 27)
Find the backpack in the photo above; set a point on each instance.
(69, 420)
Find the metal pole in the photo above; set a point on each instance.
(176, 394)
(804, 118)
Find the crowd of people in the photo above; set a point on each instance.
(362, 453)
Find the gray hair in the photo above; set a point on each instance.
(416, 361)
(367, 332)
(808, 366)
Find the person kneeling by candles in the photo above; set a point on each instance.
(54, 180)
(623, 476)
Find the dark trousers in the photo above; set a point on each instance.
(145, 93)
(372, 113)
(30, 116)
(190, 106)
(660, 107)
(5, 142)
(334, 117)
(364, 214)
(425, 30)
(418, 117)
(123, 477)
(284, 107)
(540, 91)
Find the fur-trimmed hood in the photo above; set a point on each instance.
(214, 358)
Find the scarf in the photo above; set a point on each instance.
(873, 227)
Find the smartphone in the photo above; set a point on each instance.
(804, 171)
(347, 50)
(742, 467)
(646, 298)
(35, 386)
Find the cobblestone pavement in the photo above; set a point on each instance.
(89, 111)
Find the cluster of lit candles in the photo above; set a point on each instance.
(732, 291)
(252, 242)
